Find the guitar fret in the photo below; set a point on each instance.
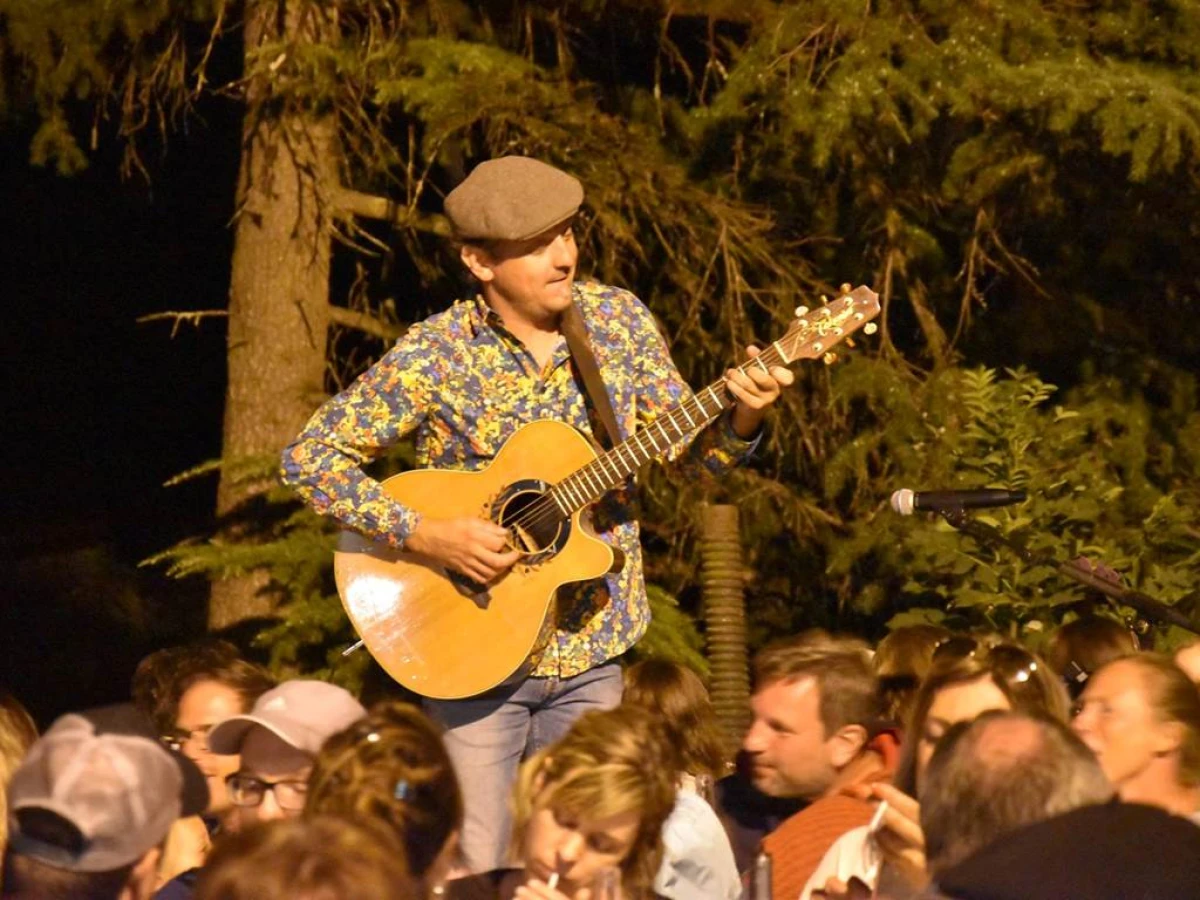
(602, 460)
(684, 409)
(586, 473)
(572, 494)
(562, 507)
(654, 429)
(637, 439)
(716, 399)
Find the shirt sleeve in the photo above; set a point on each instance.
(715, 448)
(324, 464)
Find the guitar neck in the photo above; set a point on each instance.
(602, 474)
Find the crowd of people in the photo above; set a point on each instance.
(936, 765)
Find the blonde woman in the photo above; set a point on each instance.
(588, 810)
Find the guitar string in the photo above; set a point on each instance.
(545, 510)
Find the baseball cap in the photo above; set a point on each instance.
(98, 790)
(301, 713)
(512, 198)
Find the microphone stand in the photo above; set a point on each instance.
(1078, 570)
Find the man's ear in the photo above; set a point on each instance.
(845, 744)
(477, 260)
(1168, 738)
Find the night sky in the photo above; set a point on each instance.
(99, 410)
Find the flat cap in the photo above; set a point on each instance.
(512, 198)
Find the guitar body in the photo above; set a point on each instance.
(427, 627)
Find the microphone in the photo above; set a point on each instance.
(907, 502)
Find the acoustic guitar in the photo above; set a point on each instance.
(442, 635)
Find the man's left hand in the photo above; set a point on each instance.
(753, 391)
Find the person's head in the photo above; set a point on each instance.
(1188, 659)
(902, 658)
(814, 703)
(393, 767)
(1000, 772)
(1140, 715)
(91, 805)
(678, 699)
(17, 734)
(314, 858)
(278, 741)
(512, 219)
(966, 680)
(187, 690)
(597, 799)
(1080, 647)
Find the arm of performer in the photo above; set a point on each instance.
(324, 465)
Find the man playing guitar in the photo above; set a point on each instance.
(461, 382)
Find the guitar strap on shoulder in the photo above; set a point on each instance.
(575, 332)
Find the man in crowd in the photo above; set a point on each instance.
(185, 691)
(461, 383)
(998, 773)
(90, 807)
(813, 735)
(278, 741)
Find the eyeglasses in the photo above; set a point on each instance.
(1014, 664)
(246, 790)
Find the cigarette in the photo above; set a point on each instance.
(877, 819)
(552, 881)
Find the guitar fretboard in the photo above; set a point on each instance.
(605, 472)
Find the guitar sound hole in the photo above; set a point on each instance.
(533, 519)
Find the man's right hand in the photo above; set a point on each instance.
(471, 547)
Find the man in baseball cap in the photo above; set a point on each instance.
(464, 380)
(90, 807)
(278, 741)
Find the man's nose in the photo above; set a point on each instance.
(563, 252)
(753, 742)
(270, 810)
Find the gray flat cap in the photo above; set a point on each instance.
(512, 198)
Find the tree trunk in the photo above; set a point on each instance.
(725, 620)
(278, 297)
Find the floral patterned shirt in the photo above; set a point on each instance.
(463, 384)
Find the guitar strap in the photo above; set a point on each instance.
(585, 361)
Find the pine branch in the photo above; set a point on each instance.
(349, 318)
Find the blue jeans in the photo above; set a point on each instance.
(487, 737)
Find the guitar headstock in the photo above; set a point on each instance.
(813, 332)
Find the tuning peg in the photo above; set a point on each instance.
(850, 343)
(845, 289)
(801, 311)
(870, 328)
(829, 359)
(824, 299)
